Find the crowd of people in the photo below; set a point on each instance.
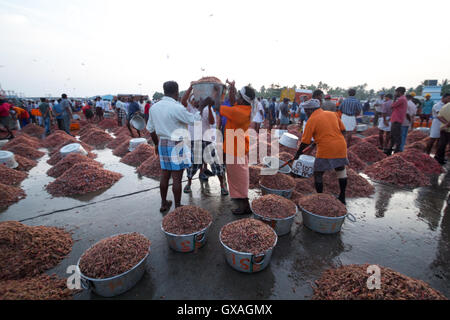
(16, 114)
(327, 124)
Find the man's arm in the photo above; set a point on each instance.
(186, 96)
(211, 119)
(232, 92)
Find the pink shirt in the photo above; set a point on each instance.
(4, 109)
(399, 108)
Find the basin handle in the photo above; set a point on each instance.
(259, 256)
(86, 284)
(351, 217)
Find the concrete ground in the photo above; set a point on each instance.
(408, 231)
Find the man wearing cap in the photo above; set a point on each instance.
(329, 105)
(328, 132)
(427, 108)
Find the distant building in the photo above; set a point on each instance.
(432, 87)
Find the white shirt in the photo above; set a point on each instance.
(120, 105)
(142, 105)
(105, 105)
(436, 108)
(259, 117)
(170, 119)
(412, 111)
(378, 105)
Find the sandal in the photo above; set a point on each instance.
(166, 207)
(224, 192)
(187, 189)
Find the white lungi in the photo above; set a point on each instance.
(435, 131)
(349, 122)
(381, 125)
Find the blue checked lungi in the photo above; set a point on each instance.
(174, 155)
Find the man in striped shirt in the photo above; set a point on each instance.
(350, 108)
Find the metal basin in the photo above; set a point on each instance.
(138, 122)
(187, 243)
(247, 262)
(8, 159)
(283, 193)
(117, 285)
(324, 225)
(281, 226)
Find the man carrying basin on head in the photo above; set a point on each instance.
(327, 129)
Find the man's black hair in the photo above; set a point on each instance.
(390, 96)
(447, 94)
(64, 96)
(352, 92)
(59, 100)
(317, 94)
(170, 88)
(250, 92)
(401, 90)
(42, 99)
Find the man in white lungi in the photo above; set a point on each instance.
(350, 108)
(435, 132)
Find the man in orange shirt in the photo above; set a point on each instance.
(327, 129)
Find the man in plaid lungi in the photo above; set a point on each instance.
(121, 113)
(167, 124)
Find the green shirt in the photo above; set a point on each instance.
(44, 107)
(427, 106)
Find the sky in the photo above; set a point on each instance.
(96, 47)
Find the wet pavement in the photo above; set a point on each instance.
(408, 231)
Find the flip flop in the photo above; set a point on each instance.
(166, 207)
(187, 189)
(224, 192)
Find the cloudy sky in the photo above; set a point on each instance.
(90, 47)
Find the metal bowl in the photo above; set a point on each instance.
(187, 243)
(117, 285)
(324, 225)
(7, 159)
(138, 122)
(206, 89)
(248, 262)
(134, 143)
(283, 193)
(267, 161)
(281, 226)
